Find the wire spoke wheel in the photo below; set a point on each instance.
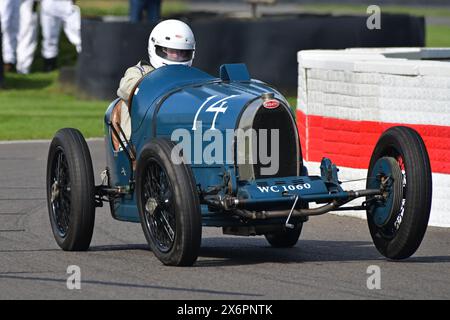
(60, 193)
(168, 204)
(70, 190)
(159, 211)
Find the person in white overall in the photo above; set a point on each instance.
(19, 23)
(57, 14)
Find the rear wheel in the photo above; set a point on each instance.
(398, 221)
(70, 190)
(286, 238)
(168, 205)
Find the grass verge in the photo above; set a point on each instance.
(33, 107)
(438, 36)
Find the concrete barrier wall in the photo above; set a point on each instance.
(347, 98)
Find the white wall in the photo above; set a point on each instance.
(382, 86)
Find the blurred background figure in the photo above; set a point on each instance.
(57, 14)
(1, 58)
(27, 37)
(152, 10)
(9, 12)
(19, 33)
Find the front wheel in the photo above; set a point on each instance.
(398, 219)
(168, 204)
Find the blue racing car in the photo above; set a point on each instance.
(225, 152)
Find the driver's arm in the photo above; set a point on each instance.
(128, 82)
(131, 79)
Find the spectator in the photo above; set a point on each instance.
(9, 12)
(56, 14)
(27, 38)
(151, 7)
(19, 27)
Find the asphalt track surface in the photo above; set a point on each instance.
(329, 262)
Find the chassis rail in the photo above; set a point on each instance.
(245, 208)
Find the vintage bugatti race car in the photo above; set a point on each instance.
(192, 161)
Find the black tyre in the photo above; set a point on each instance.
(168, 204)
(399, 234)
(70, 190)
(286, 238)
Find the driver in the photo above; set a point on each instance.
(170, 42)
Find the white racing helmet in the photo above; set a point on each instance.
(171, 42)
